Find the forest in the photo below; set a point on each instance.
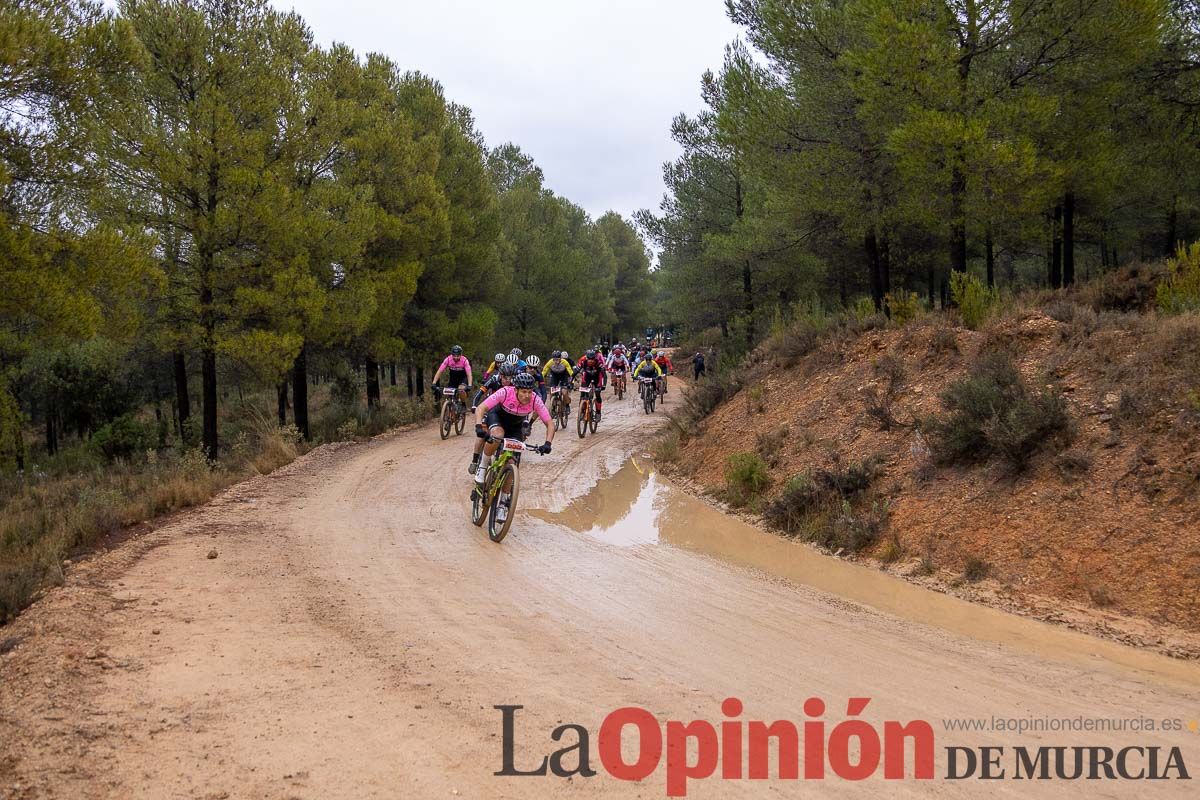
(202, 209)
(865, 152)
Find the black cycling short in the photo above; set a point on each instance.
(558, 378)
(456, 378)
(513, 424)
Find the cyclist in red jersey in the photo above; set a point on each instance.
(593, 373)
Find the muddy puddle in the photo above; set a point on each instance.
(637, 508)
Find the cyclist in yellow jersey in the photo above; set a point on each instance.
(558, 372)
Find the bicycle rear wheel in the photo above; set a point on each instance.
(498, 530)
(461, 423)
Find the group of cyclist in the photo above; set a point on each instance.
(514, 388)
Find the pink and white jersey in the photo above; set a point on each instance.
(506, 398)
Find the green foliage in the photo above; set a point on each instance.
(746, 476)
(992, 412)
(863, 309)
(1180, 290)
(974, 300)
(123, 438)
(904, 307)
(812, 502)
(12, 442)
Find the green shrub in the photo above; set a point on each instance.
(811, 501)
(1180, 291)
(863, 309)
(992, 412)
(745, 476)
(974, 300)
(124, 437)
(794, 341)
(856, 530)
(903, 307)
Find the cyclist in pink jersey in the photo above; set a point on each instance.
(458, 372)
(504, 413)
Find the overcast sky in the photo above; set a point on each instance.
(586, 87)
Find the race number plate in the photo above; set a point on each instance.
(448, 392)
(514, 444)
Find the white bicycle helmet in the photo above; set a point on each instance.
(499, 359)
(513, 359)
(533, 361)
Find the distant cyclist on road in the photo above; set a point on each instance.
(592, 373)
(494, 366)
(559, 372)
(458, 372)
(533, 365)
(649, 368)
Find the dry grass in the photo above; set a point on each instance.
(76, 500)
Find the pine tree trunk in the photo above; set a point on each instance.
(1172, 226)
(1056, 251)
(182, 401)
(1068, 263)
(990, 258)
(372, 383)
(300, 392)
(748, 303)
(932, 287)
(885, 265)
(420, 381)
(871, 248)
(393, 373)
(408, 370)
(282, 391)
(208, 377)
(51, 433)
(958, 223)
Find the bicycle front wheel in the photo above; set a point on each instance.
(498, 530)
(581, 422)
(447, 419)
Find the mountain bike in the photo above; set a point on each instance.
(648, 393)
(660, 386)
(453, 413)
(559, 409)
(586, 418)
(619, 384)
(485, 500)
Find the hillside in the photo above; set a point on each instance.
(1101, 527)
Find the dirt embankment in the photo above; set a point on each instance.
(1102, 535)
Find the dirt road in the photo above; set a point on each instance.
(354, 631)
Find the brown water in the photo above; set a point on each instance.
(637, 508)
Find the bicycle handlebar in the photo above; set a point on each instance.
(492, 440)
